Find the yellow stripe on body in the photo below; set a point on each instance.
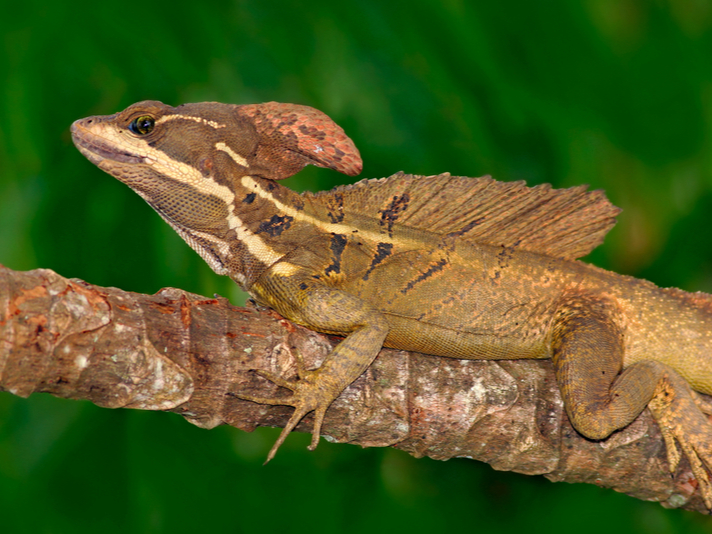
(335, 228)
(284, 268)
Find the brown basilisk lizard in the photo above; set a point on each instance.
(461, 267)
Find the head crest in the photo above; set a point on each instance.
(293, 136)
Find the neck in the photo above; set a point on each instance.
(263, 227)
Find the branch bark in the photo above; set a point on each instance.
(180, 352)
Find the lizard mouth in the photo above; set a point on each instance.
(96, 148)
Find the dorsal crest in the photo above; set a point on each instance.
(564, 223)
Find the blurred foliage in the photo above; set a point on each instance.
(613, 93)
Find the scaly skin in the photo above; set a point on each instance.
(459, 267)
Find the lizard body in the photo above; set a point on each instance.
(460, 267)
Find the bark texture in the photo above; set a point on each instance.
(181, 352)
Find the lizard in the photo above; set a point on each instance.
(451, 266)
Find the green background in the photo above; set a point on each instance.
(613, 93)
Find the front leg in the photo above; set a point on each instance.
(305, 301)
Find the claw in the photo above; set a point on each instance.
(682, 421)
(316, 431)
(673, 454)
(297, 416)
(306, 398)
(699, 471)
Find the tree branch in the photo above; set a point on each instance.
(181, 352)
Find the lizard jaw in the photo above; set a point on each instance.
(86, 135)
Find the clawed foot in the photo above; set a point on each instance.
(307, 396)
(681, 420)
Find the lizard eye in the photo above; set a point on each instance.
(142, 125)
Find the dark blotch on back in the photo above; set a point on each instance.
(383, 250)
(434, 268)
(276, 225)
(335, 205)
(469, 226)
(338, 244)
(390, 214)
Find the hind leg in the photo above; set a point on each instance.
(601, 397)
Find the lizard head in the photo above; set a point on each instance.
(220, 141)
(187, 161)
